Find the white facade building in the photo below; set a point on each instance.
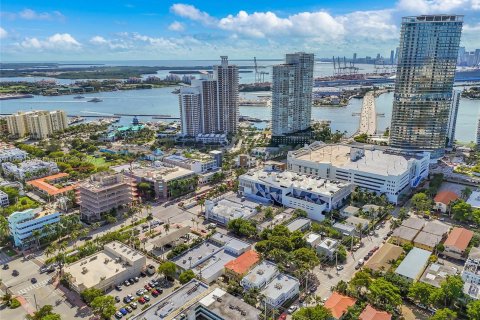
(471, 274)
(382, 171)
(3, 199)
(29, 170)
(9, 153)
(38, 124)
(281, 289)
(223, 209)
(196, 165)
(294, 190)
(292, 94)
(22, 224)
(259, 276)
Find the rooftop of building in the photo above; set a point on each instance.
(474, 199)
(115, 258)
(297, 180)
(474, 253)
(370, 313)
(380, 260)
(191, 258)
(103, 180)
(44, 185)
(354, 221)
(436, 273)
(244, 262)
(405, 233)
(338, 304)
(209, 268)
(299, 224)
(436, 227)
(414, 223)
(413, 263)
(157, 171)
(350, 210)
(279, 285)
(375, 161)
(344, 227)
(427, 239)
(312, 237)
(459, 238)
(35, 213)
(190, 157)
(232, 207)
(445, 197)
(176, 301)
(263, 271)
(328, 244)
(228, 307)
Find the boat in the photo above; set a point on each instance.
(76, 119)
(78, 97)
(176, 91)
(95, 100)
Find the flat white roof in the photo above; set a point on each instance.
(261, 273)
(374, 161)
(474, 199)
(280, 284)
(298, 224)
(287, 179)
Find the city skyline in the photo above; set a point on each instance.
(197, 30)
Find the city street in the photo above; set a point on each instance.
(329, 277)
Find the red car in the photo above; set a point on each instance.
(147, 287)
(283, 316)
(142, 300)
(155, 293)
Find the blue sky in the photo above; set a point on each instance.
(156, 30)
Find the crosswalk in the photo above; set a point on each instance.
(33, 286)
(4, 259)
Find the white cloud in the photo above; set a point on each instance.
(437, 6)
(192, 13)
(98, 40)
(3, 33)
(176, 26)
(468, 28)
(370, 24)
(57, 42)
(29, 14)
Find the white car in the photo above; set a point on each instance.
(339, 267)
(292, 309)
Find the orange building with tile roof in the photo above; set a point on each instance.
(238, 267)
(457, 242)
(443, 199)
(45, 185)
(370, 313)
(338, 304)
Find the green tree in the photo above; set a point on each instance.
(104, 306)
(242, 227)
(88, 295)
(318, 312)
(473, 309)
(168, 269)
(461, 211)
(466, 192)
(384, 294)
(444, 314)
(421, 202)
(305, 258)
(45, 313)
(186, 276)
(421, 292)
(451, 289)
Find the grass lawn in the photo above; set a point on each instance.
(10, 252)
(19, 206)
(98, 162)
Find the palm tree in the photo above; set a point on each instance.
(6, 298)
(4, 229)
(50, 250)
(36, 234)
(166, 226)
(74, 236)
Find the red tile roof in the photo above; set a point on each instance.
(243, 263)
(338, 304)
(446, 197)
(459, 238)
(370, 313)
(43, 184)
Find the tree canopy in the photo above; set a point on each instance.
(242, 227)
(318, 312)
(168, 269)
(104, 306)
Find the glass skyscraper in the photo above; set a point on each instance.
(423, 96)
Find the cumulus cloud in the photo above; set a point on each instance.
(370, 24)
(176, 26)
(437, 6)
(29, 14)
(192, 13)
(57, 42)
(3, 33)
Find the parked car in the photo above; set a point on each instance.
(339, 267)
(155, 293)
(140, 292)
(118, 287)
(136, 279)
(292, 309)
(117, 299)
(283, 316)
(5, 266)
(134, 305)
(143, 274)
(141, 300)
(15, 273)
(126, 282)
(146, 297)
(33, 280)
(129, 309)
(123, 311)
(147, 287)
(131, 281)
(118, 315)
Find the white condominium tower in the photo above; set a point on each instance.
(478, 134)
(210, 104)
(424, 82)
(292, 94)
(36, 124)
(452, 118)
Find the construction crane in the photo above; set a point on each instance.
(259, 75)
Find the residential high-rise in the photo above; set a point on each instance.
(478, 134)
(452, 118)
(424, 82)
(38, 124)
(292, 95)
(210, 104)
(392, 57)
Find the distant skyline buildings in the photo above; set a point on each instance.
(424, 82)
(210, 104)
(468, 58)
(292, 84)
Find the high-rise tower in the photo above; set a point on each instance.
(292, 95)
(424, 83)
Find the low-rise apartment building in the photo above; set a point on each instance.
(457, 243)
(23, 225)
(259, 276)
(293, 190)
(9, 153)
(381, 171)
(4, 199)
(281, 289)
(200, 163)
(28, 170)
(103, 192)
(103, 270)
(228, 207)
(161, 177)
(471, 274)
